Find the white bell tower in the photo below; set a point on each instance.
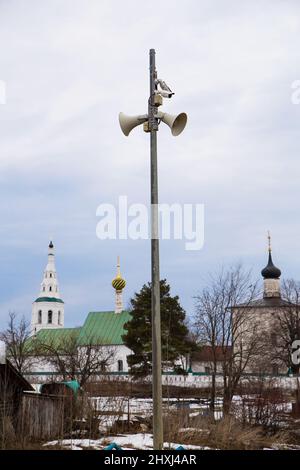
(48, 308)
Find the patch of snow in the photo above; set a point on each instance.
(183, 430)
(128, 441)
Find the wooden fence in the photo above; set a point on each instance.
(43, 416)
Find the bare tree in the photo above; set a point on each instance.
(287, 326)
(223, 322)
(16, 338)
(208, 328)
(74, 361)
(262, 403)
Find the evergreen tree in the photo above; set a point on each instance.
(138, 336)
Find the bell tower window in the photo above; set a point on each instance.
(59, 317)
(50, 316)
(40, 316)
(50, 288)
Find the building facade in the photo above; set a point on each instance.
(48, 308)
(101, 329)
(261, 325)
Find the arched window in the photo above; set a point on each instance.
(50, 274)
(120, 365)
(50, 288)
(50, 315)
(40, 316)
(58, 319)
(44, 288)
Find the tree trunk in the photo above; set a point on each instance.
(213, 392)
(227, 396)
(227, 399)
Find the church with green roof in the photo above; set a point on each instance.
(100, 328)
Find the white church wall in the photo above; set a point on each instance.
(206, 367)
(121, 353)
(2, 352)
(57, 309)
(44, 368)
(260, 323)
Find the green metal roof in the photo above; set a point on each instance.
(99, 328)
(56, 336)
(103, 328)
(48, 299)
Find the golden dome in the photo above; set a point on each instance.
(118, 282)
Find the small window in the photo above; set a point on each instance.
(44, 288)
(50, 274)
(275, 369)
(58, 318)
(103, 367)
(50, 315)
(207, 370)
(50, 289)
(40, 316)
(120, 366)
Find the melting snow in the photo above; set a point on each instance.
(129, 441)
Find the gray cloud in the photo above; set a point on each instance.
(71, 66)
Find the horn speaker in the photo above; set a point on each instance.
(127, 123)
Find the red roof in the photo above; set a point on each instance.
(206, 354)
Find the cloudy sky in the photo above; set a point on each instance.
(70, 66)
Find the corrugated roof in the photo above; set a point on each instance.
(103, 328)
(99, 328)
(55, 336)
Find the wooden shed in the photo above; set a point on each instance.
(12, 387)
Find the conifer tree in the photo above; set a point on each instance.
(174, 332)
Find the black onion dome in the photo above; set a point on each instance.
(270, 271)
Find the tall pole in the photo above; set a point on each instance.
(155, 277)
(158, 90)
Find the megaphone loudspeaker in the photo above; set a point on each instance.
(127, 123)
(175, 123)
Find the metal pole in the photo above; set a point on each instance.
(155, 292)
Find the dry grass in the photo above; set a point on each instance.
(28, 445)
(226, 434)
